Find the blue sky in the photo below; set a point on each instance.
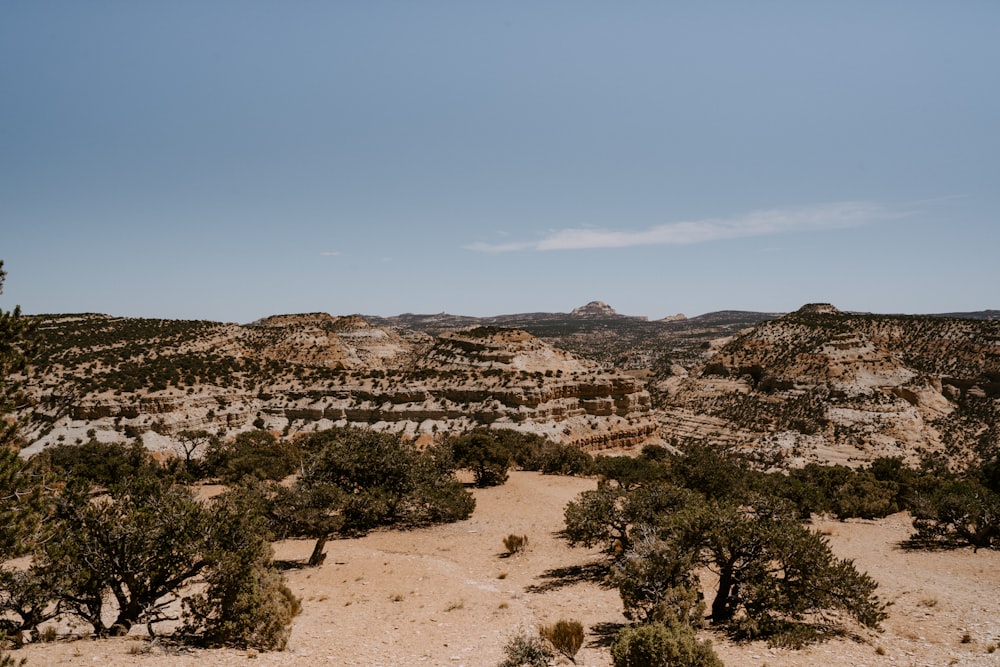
(231, 160)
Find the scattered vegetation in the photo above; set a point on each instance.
(109, 532)
(660, 519)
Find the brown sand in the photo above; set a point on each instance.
(448, 596)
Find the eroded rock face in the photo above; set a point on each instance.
(298, 373)
(824, 385)
(347, 342)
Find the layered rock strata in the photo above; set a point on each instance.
(293, 374)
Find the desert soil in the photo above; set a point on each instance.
(447, 596)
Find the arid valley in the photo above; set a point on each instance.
(446, 596)
(817, 386)
(499, 334)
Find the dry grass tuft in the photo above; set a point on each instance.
(515, 544)
(566, 636)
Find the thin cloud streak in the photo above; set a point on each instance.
(839, 215)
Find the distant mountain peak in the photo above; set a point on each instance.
(819, 309)
(594, 309)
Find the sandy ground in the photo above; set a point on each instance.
(448, 596)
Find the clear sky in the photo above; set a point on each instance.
(231, 160)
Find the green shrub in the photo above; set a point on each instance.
(485, 454)
(100, 463)
(559, 459)
(245, 602)
(655, 580)
(247, 605)
(566, 636)
(533, 452)
(865, 497)
(711, 471)
(668, 644)
(256, 454)
(655, 452)
(355, 480)
(629, 473)
(959, 513)
(526, 651)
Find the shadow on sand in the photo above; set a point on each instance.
(560, 577)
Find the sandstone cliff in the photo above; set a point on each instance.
(820, 384)
(116, 378)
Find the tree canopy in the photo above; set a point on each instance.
(353, 480)
(775, 577)
(20, 488)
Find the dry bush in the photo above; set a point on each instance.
(566, 636)
(515, 544)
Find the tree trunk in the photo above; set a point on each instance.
(318, 556)
(127, 617)
(722, 611)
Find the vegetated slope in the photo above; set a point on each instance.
(976, 315)
(597, 332)
(114, 378)
(825, 385)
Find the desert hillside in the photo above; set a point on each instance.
(814, 385)
(817, 385)
(120, 378)
(823, 385)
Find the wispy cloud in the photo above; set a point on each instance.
(756, 223)
(332, 254)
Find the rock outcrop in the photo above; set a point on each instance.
(295, 373)
(824, 385)
(594, 309)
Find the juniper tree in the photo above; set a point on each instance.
(245, 602)
(355, 480)
(141, 543)
(485, 453)
(774, 575)
(19, 488)
(16, 348)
